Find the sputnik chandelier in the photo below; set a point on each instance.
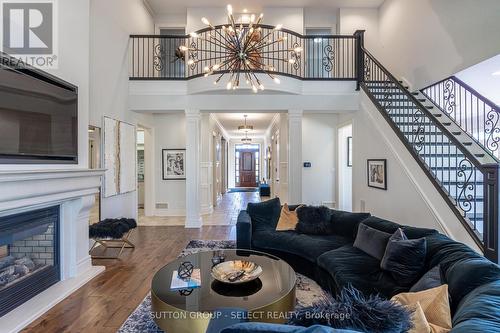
(241, 51)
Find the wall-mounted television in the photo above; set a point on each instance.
(38, 116)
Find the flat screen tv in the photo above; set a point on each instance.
(38, 117)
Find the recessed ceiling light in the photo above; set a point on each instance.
(497, 73)
(245, 10)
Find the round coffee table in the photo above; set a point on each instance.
(267, 299)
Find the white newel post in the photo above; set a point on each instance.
(193, 144)
(295, 156)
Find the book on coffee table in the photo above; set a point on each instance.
(193, 282)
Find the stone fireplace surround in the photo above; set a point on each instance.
(73, 190)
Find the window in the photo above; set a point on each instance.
(314, 49)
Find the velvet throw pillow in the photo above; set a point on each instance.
(371, 241)
(314, 220)
(429, 280)
(404, 258)
(288, 219)
(265, 214)
(431, 309)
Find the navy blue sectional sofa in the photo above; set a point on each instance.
(333, 262)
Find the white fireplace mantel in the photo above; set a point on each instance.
(73, 190)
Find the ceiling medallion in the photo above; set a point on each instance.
(245, 127)
(240, 51)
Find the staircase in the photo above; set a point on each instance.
(463, 171)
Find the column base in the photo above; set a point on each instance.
(193, 222)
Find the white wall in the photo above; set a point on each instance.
(411, 198)
(352, 19)
(111, 23)
(291, 18)
(344, 174)
(321, 18)
(170, 133)
(319, 144)
(427, 40)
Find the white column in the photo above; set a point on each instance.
(295, 156)
(193, 144)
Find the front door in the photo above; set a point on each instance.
(248, 176)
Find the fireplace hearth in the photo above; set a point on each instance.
(29, 255)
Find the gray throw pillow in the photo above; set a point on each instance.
(429, 280)
(371, 241)
(404, 258)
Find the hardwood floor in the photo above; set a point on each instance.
(103, 304)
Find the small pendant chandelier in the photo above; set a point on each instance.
(246, 139)
(245, 127)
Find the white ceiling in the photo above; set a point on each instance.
(231, 121)
(175, 6)
(485, 78)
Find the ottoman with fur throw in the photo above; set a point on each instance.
(112, 233)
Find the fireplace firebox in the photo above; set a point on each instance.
(29, 255)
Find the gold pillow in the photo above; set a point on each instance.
(288, 219)
(435, 308)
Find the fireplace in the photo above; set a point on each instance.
(29, 255)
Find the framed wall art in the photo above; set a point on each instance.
(377, 173)
(174, 164)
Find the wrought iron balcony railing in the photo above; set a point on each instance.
(474, 113)
(160, 57)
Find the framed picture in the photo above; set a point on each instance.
(377, 174)
(349, 151)
(173, 162)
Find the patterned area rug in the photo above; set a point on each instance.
(140, 320)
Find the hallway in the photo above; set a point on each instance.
(225, 214)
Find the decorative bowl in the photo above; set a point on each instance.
(236, 271)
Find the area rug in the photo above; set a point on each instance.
(243, 189)
(140, 320)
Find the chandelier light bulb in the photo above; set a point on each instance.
(216, 67)
(205, 21)
(229, 85)
(252, 18)
(183, 48)
(291, 61)
(193, 35)
(278, 27)
(254, 88)
(276, 80)
(298, 49)
(229, 10)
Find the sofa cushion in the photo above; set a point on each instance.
(404, 258)
(309, 247)
(391, 227)
(479, 311)
(314, 220)
(468, 274)
(253, 327)
(349, 265)
(345, 224)
(264, 215)
(371, 241)
(431, 279)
